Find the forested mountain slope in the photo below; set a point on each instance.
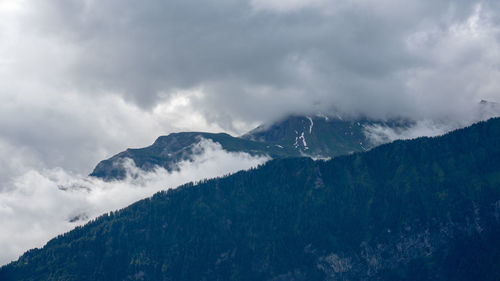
(425, 209)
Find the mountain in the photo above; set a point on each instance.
(318, 136)
(168, 151)
(291, 137)
(423, 209)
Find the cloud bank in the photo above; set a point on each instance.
(378, 58)
(42, 204)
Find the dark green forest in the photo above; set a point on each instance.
(423, 209)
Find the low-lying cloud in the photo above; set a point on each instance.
(380, 134)
(42, 204)
(76, 131)
(410, 129)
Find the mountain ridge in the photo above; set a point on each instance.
(423, 209)
(294, 136)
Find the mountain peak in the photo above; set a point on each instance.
(316, 136)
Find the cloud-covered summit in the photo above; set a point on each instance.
(82, 80)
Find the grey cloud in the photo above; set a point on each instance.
(355, 53)
(86, 79)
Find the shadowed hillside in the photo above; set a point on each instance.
(425, 209)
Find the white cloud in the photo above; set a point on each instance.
(77, 131)
(460, 67)
(41, 203)
(380, 134)
(78, 85)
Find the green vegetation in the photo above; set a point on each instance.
(324, 137)
(425, 209)
(167, 151)
(294, 136)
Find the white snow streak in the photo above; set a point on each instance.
(310, 126)
(303, 140)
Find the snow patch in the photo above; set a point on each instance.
(310, 126)
(302, 139)
(361, 144)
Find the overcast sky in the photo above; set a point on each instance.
(81, 80)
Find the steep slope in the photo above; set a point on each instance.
(291, 137)
(425, 209)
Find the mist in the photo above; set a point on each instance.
(42, 204)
